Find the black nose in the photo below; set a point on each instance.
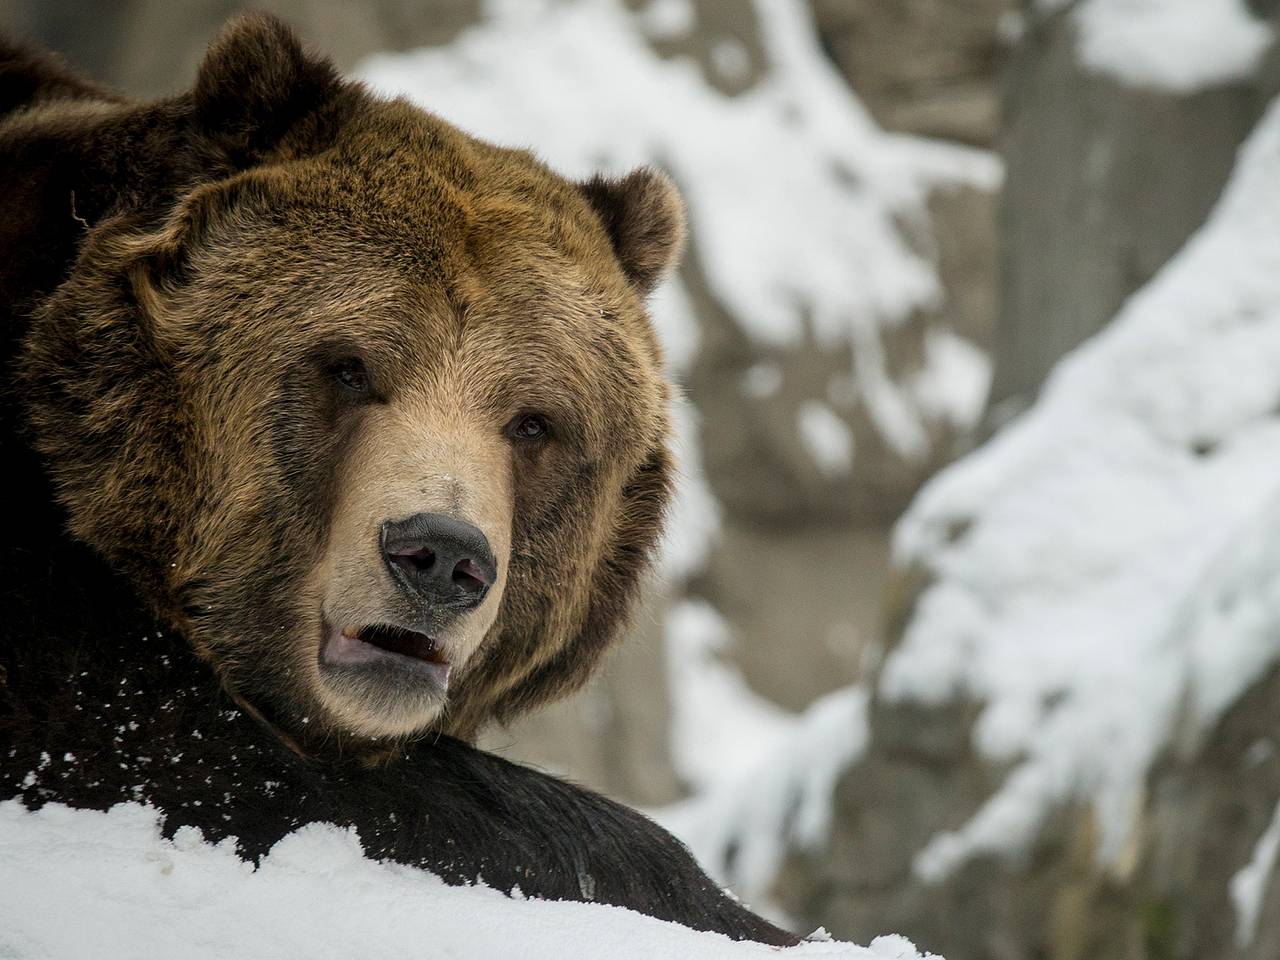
(439, 559)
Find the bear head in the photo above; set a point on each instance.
(368, 409)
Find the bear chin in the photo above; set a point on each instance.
(376, 691)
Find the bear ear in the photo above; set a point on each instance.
(644, 217)
(255, 82)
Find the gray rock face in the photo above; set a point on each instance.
(750, 396)
(1207, 804)
(805, 604)
(149, 48)
(1104, 182)
(801, 563)
(921, 66)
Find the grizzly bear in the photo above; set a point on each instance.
(331, 434)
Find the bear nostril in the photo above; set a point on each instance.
(415, 559)
(469, 577)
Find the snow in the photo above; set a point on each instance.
(676, 325)
(1175, 45)
(762, 777)
(718, 725)
(890, 405)
(754, 809)
(731, 60)
(82, 883)
(757, 807)
(1105, 573)
(826, 438)
(1249, 886)
(668, 18)
(796, 198)
(955, 379)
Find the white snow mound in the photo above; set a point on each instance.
(79, 884)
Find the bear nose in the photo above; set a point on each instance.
(439, 559)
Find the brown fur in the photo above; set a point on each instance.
(278, 218)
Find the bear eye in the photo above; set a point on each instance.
(351, 374)
(528, 428)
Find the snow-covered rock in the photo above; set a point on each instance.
(794, 158)
(1072, 555)
(1121, 123)
(1090, 667)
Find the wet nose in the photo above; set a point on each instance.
(439, 559)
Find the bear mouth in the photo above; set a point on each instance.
(385, 645)
(407, 643)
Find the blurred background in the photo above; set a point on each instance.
(968, 624)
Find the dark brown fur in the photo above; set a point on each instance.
(230, 239)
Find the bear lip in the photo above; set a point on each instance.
(381, 642)
(408, 643)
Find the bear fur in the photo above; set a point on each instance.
(175, 457)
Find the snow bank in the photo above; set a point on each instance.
(719, 725)
(954, 382)
(693, 520)
(1175, 45)
(85, 884)
(1109, 566)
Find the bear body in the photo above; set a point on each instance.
(164, 269)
